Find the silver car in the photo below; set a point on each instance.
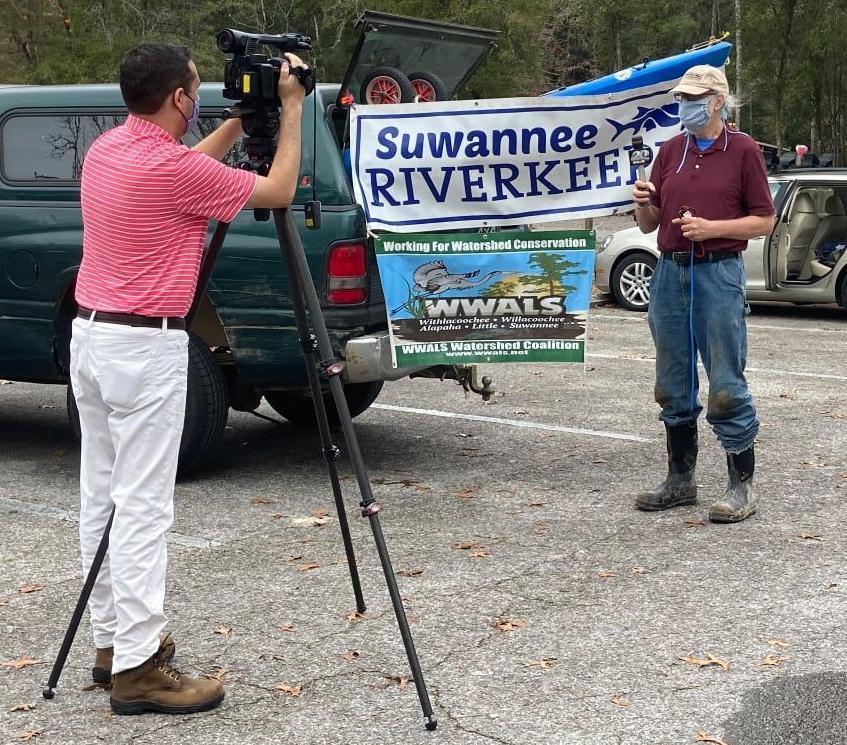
(804, 259)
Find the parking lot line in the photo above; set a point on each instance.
(56, 513)
(512, 423)
(765, 370)
(759, 326)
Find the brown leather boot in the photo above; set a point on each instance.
(102, 670)
(156, 686)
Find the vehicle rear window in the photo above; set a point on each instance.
(39, 148)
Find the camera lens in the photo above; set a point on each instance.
(226, 40)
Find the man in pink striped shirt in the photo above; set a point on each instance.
(146, 205)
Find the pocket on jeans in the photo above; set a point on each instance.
(734, 273)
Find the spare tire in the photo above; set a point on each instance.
(206, 407)
(386, 85)
(428, 87)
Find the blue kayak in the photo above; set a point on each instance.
(649, 73)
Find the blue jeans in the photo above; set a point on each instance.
(720, 336)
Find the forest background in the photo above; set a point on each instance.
(789, 61)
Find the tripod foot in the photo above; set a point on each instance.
(431, 723)
(370, 509)
(48, 693)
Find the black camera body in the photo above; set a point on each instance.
(251, 78)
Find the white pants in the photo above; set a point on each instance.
(130, 385)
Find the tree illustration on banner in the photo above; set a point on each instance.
(553, 269)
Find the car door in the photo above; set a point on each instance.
(775, 247)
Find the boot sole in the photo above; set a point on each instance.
(723, 519)
(102, 676)
(650, 507)
(131, 708)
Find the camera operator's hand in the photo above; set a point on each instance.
(290, 89)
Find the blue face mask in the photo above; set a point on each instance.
(195, 114)
(694, 115)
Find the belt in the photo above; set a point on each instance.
(709, 257)
(131, 319)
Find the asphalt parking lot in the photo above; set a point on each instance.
(544, 607)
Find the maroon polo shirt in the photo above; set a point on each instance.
(724, 182)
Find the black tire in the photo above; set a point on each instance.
(299, 409)
(841, 295)
(402, 86)
(433, 82)
(631, 280)
(206, 407)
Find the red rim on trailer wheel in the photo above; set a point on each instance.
(383, 89)
(424, 91)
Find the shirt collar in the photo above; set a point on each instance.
(145, 127)
(720, 143)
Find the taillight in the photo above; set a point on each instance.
(347, 270)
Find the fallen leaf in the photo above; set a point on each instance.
(468, 493)
(421, 487)
(410, 572)
(23, 707)
(224, 630)
(260, 500)
(308, 566)
(401, 680)
(354, 616)
(277, 516)
(467, 545)
(351, 655)
(604, 574)
(294, 557)
(544, 663)
(463, 434)
(774, 660)
(509, 624)
(532, 504)
(30, 735)
(219, 674)
(288, 627)
(777, 642)
(598, 461)
(480, 553)
(319, 513)
(641, 570)
(310, 522)
(622, 701)
(693, 522)
(22, 662)
(291, 690)
(708, 660)
(36, 587)
(811, 537)
(703, 736)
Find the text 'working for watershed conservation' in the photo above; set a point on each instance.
(459, 298)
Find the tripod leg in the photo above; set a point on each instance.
(330, 451)
(62, 657)
(292, 249)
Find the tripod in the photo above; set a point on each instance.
(314, 341)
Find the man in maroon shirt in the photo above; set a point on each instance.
(708, 195)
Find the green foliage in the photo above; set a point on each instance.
(794, 68)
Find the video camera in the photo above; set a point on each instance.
(252, 79)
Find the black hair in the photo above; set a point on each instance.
(150, 72)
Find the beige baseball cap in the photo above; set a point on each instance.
(703, 79)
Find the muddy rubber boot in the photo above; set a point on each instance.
(739, 502)
(156, 686)
(101, 673)
(680, 486)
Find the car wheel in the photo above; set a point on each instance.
(299, 409)
(206, 407)
(428, 87)
(386, 85)
(842, 290)
(631, 280)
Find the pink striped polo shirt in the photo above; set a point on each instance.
(146, 205)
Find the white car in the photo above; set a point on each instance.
(804, 259)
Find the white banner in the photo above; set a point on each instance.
(472, 164)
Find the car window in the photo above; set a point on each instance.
(38, 148)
